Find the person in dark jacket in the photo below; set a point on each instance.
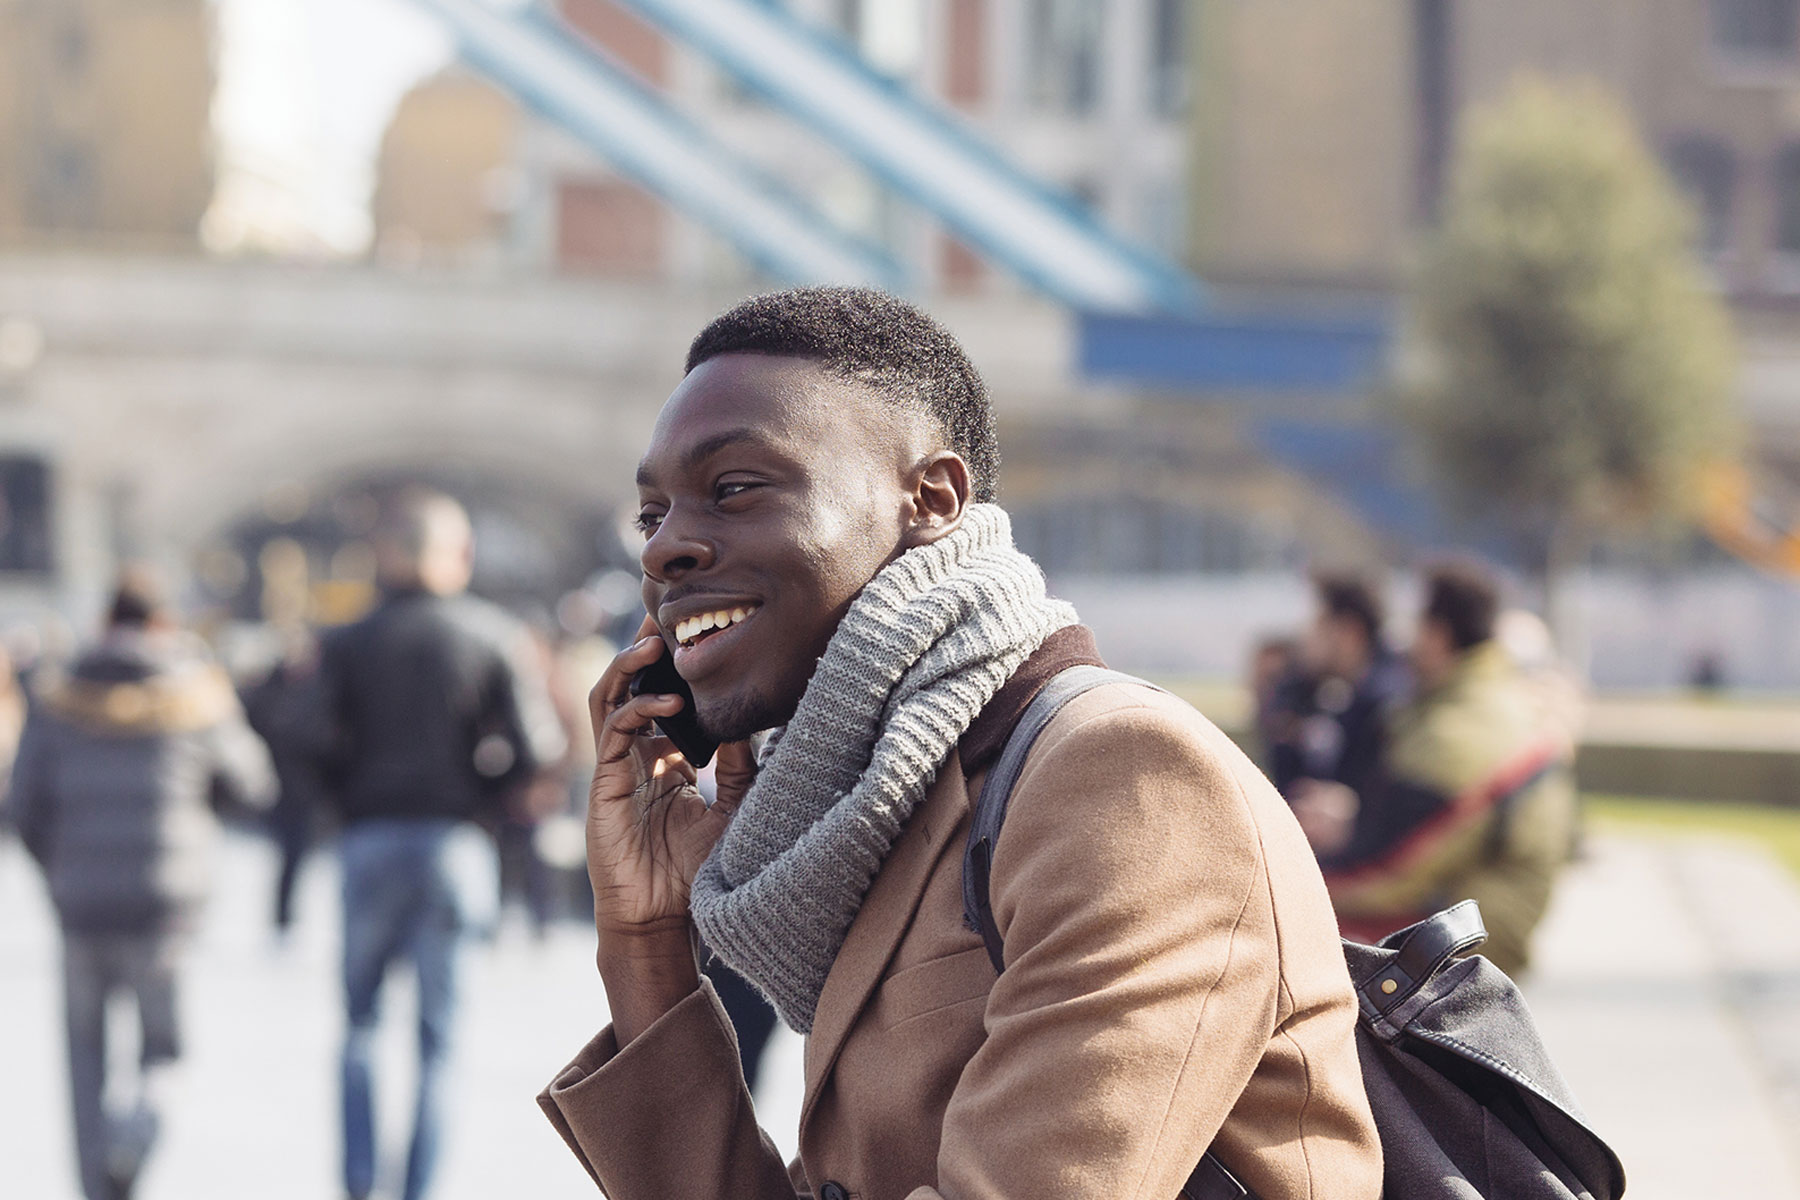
(283, 708)
(439, 715)
(1327, 718)
(120, 770)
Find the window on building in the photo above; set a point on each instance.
(1062, 55)
(1787, 201)
(1759, 28)
(847, 16)
(1432, 92)
(25, 544)
(63, 191)
(1706, 172)
(1088, 193)
(72, 48)
(1134, 535)
(1163, 216)
(1168, 58)
(890, 34)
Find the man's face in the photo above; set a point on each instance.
(1433, 653)
(1339, 646)
(770, 494)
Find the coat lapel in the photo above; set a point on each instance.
(882, 921)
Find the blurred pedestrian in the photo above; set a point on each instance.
(440, 714)
(1273, 661)
(1329, 715)
(283, 707)
(12, 716)
(118, 774)
(525, 877)
(1474, 798)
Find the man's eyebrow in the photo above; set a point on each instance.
(704, 449)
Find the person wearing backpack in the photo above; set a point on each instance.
(824, 559)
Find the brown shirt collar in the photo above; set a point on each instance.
(981, 744)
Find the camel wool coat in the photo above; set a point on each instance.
(1173, 981)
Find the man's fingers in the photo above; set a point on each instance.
(631, 720)
(615, 681)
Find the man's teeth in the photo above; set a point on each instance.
(690, 629)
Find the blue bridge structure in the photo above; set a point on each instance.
(1141, 319)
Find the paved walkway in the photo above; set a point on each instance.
(1668, 988)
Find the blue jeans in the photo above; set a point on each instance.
(413, 890)
(111, 1146)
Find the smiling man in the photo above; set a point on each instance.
(823, 558)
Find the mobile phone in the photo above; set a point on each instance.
(662, 679)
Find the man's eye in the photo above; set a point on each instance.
(647, 522)
(726, 491)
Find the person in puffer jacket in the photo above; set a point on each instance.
(124, 763)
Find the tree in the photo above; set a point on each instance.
(1572, 366)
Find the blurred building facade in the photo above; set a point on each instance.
(105, 110)
(1089, 96)
(1324, 177)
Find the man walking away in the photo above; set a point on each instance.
(119, 770)
(283, 708)
(439, 714)
(1475, 798)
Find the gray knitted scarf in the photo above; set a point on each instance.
(922, 649)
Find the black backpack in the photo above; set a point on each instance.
(1466, 1100)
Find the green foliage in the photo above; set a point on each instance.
(1573, 365)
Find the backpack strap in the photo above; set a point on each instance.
(996, 793)
(1211, 1179)
(1422, 950)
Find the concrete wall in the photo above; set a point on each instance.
(172, 397)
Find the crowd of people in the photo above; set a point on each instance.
(1430, 776)
(426, 733)
(823, 557)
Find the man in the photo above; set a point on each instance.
(119, 770)
(439, 716)
(823, 557)
(1475, 797)
(1332, 709)
(283, 708)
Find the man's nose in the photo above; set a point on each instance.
(675, 549)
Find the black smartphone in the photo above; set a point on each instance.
(662, 679)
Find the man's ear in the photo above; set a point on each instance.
(940, 495)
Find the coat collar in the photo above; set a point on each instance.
(1070, 646)
(882, 921)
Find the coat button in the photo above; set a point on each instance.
(833, 1191)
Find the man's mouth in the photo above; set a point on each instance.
(691, 631)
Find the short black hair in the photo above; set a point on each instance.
(1465, 596)
(1353, 598)
(137, 598)
(878, 340)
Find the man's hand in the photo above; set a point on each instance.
(648, 831)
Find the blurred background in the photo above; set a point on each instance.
(1252, 290)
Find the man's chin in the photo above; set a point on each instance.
(737, 718)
